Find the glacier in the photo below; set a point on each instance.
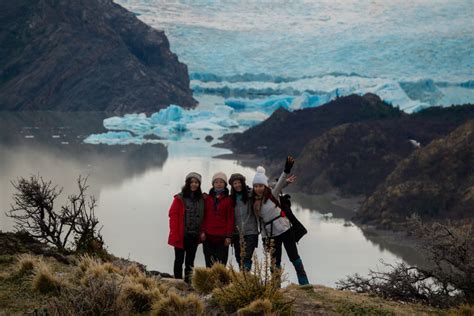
(246, 61)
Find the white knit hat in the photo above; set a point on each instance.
(219, 175)
(260, 177)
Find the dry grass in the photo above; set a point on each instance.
(205, 280)
(44, 280)
(134, 270)
(174, 304)
(462, 310)
(26, 264)
(256, 308)
(140, 298)
(99, 297)
(328, 301)
(262, 282)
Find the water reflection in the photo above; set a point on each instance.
(135, 185)
(50, 144)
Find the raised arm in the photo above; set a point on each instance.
(284, 175)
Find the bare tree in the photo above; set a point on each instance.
(450, 281)
(75, 223)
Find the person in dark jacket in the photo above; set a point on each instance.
(246, 225)
(186, 215)
(276, 228)
(218, 223)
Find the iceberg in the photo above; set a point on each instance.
(116, 138)
(170, 124)
(170, 114)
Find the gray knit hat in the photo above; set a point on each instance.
(194, 175)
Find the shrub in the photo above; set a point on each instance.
(263, 282)
(45, 281)
(134, 270)
(449, 282)
(26, 264)
(176, 305)
(140, 298)
(98, 297)
(204, 280)
(256, 308)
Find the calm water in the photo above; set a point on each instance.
(135, 185)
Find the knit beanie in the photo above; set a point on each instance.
(219, 175)
(260, 177)
(194, 175)
(236, 176)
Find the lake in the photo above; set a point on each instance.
(135, 185)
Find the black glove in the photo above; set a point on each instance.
(290, 161)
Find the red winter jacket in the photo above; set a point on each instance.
(220, 221)
(176, 216)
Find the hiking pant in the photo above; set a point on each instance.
(287, 239)
(215, 252)
(185, 256)
(250, 243)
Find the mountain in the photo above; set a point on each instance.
(287, 132)
(350, 144)
(356, 157)
(436, 181)
(90, 55)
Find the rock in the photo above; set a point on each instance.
(209, 138)
(94, 55)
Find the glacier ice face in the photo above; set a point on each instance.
(404, 52)
(274, 50)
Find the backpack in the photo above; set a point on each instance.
(285, 205)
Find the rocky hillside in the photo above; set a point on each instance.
(354, 158)
(350, 144)
(34, 281)
(436, 181)
(88, 55)
(288, 132)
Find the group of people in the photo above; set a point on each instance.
(222, 218)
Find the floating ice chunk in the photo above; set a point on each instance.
(251, 118)
(205, 126)
(136, 123)
(172, 113)
(225, 122)
(113, 138)
(179, 127)
(266, 105)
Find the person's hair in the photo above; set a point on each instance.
(244, 192)
(266, 193)
(186, 189)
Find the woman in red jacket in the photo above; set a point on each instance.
(186, 215)
(218, 223)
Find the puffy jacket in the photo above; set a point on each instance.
(176, 221)
(218, 215)
(271, 220)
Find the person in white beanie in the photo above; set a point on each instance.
(276, 228)
(218, 223)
